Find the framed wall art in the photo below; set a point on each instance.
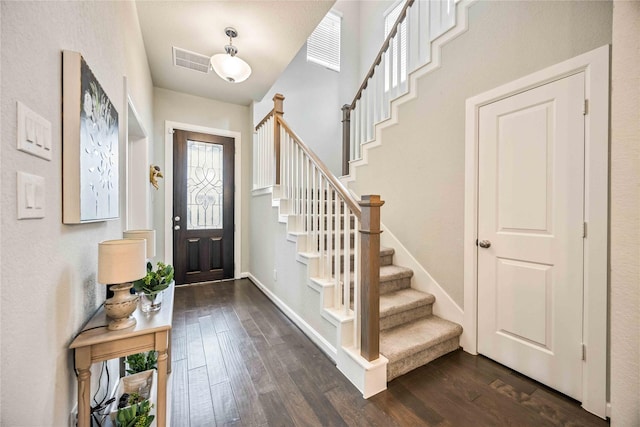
(90, 140)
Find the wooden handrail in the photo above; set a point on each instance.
(267, 117)
(342, 191)
(383, 49)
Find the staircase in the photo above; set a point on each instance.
(383, 327)
(410, 335)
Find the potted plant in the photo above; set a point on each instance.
(137, 414)
(141, 362)
(150, 287)
(135, 395)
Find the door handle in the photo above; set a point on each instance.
(484, 244)
(177, 227)
(177, 218)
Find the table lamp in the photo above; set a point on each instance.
(148, 235)
(120, 262)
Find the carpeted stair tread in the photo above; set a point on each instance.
(405, 340)
(403, 300)
(394, 272)
(386, 251)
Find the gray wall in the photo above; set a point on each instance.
(49, 269)
(314, 94)
(419, 168)
(625, 215)
(194, 110)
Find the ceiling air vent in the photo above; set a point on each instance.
(191, 60)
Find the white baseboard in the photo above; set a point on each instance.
(313, 335)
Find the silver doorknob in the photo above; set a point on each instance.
(484, 244)
(177, 218)
(177, 227)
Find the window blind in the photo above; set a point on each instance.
(323, 46)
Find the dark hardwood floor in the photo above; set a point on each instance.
(237, 360)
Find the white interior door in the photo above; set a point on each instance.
(530, 232)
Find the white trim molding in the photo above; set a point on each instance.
(324, 345)
(169, 126)
(595, 65)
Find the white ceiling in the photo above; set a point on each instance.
(270, 33)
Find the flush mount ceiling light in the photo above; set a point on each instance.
(227, 65)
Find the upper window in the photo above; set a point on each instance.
(399, 47)
(323, 46)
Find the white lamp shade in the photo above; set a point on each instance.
(148, 235)
(121, 261)
(230, 68)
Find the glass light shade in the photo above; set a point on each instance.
(230, 68)
(148, 235)
(121, 261)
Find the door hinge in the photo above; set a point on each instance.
(584, 352)
(171, 131)
(585, 107)
(584, 230)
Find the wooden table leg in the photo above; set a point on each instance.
(169, 353)
(161, 346)
(83, 365)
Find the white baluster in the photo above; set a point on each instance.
(329, 241)
(424, 51)
(413, 42)
(347, 259)
(321, 239)
(356, 285)
(336, 250)
(307, 193)
(363, 117)
(355, 118)
(272, 154)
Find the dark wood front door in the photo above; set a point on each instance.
(203, 217)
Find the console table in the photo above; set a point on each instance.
(151, 332)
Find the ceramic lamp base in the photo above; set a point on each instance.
(120, 307)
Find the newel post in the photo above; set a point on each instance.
(370, 294)
(278, 112)
(346, 138)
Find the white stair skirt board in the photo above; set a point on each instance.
(460, 27)
(445, 307)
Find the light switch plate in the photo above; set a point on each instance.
(34, 133)
(30, 196)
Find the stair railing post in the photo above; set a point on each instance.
(278, 112)
(346, 138)
(370, 276)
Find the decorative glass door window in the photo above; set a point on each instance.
(204, 185)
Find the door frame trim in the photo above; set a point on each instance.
(595, 65)
(168, 194)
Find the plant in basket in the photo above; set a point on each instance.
(150, 287)
(135, 415)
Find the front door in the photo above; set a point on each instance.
(202, 207)
(530, 233)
